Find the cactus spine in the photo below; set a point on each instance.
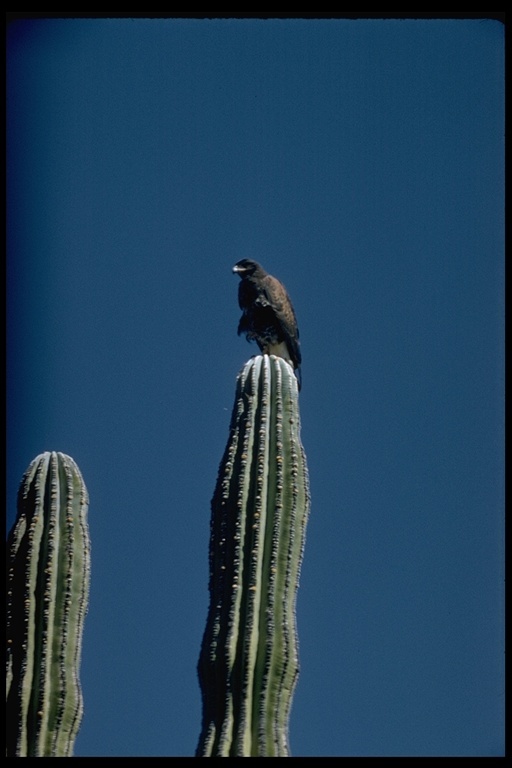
(248, 665)
(48, 558)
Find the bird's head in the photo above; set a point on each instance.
(246, 267)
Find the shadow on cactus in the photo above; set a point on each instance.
(48, 561)
(248, 664)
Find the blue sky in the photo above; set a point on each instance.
(362, 162)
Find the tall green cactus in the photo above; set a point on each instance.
(248, 665)
(48, 558)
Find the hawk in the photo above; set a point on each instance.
(268, 316)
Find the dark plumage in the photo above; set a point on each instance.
(268, 316)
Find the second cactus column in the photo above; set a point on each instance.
(48, 561)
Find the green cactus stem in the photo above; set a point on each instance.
(48, 559)
(248, 664)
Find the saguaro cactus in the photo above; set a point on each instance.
(248, 664)
(48, 556)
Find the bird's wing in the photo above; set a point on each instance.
(274, 294)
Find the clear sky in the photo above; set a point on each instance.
(361, 162)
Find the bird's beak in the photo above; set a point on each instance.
(236, 269)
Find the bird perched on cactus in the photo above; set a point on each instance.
(268, 316)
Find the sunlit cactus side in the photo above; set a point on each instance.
(248, 664)
(48, 562)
